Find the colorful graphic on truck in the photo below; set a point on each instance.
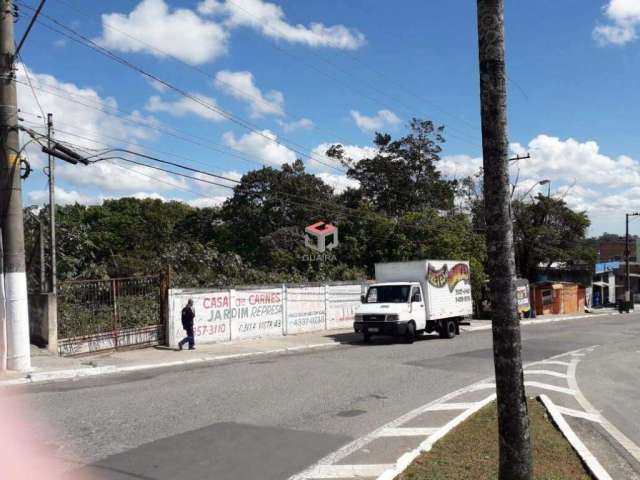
(443, 276)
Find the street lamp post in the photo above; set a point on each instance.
(627, 289)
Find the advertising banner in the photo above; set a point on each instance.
(305, 309)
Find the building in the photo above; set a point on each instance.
(609, 282)
(555, 298)
(612, 249)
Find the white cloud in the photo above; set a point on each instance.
(206, 202)
(151, 27)
(203, 108)
(624, 20)
(96, 129)
(339, 182)
(223, 189)
(384, 118)
(459, 166)
(302, 124)
(63, 197)
(354, 152)
(261, 146)
(269, 19)
(158, 86)
(241, 85)
(570, 160)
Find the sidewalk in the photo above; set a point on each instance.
(477, 325)
(49, 367)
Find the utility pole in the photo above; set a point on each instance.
(627, 284)
(15, 279)
(52, 205)
(513, 419)
(43, 267)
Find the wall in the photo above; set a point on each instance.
(43, 320)
(223, 315)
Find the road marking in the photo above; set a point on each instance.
(405, 460)
(551, 373)
(553, 388)
(408, 432)
(592, 463)
(348, 471)
(625, 441)
(483, 386)
(450, 406)
(555, 362)
(579, 414)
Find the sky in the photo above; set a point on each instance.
(263, 83)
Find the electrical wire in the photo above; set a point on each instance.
(87, 42)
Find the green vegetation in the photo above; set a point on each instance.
(470, 451)
(403, 209)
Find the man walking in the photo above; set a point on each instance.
(188, 314)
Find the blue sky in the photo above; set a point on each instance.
(308, 74)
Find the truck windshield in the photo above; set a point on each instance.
(389, 294)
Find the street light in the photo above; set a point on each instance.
(540, 182)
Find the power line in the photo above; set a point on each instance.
(184, 136)
(195, 68)
(33, 91)
(83, 40)
(29, 27)
(373, 87)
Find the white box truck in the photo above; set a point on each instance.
(408, 298)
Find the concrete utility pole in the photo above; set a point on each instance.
(52, 205)
(15, 278)
(513, 420)
(628, 301)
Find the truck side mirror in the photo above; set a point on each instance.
(363, 299)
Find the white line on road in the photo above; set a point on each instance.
(625, 441)
(348, 471)
(553, 388)
(555, 362)
(408, 432)
(592, 462)
(579, 414)
(550, 373)
(450, 406)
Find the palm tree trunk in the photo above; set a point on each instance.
(513, 420)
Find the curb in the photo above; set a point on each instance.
(541, 321)
(587, 457)
(71, 374)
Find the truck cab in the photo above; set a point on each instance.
(395, 308)
(414, 297)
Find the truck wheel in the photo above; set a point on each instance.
(448, 328)
(366, 337)
(410, 335)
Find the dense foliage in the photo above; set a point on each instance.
(402, 210)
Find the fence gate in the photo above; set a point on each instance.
(96, 315)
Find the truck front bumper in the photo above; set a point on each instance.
(381, 328)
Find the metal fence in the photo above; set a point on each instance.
(104, 314)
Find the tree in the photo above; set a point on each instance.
(513, 420)
(548, 231)
(269, 199)
(402, 177)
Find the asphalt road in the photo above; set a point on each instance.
(271, 417)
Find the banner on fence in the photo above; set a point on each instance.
(248, 313)
(305, 309)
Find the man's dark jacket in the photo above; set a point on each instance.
(187, 318)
